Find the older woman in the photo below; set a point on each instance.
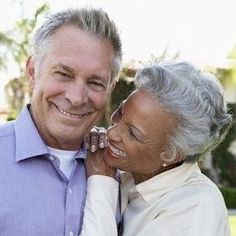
(175, 116)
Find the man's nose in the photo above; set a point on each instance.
(77, 94)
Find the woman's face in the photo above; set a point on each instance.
(139, 136)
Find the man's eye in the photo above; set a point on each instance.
(62, 75)
(97, 85)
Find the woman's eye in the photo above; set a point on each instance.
(132, 134)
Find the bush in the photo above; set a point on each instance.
(223, 159)
(229, 195)
(122, 90)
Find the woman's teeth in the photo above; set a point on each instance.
(117, 151)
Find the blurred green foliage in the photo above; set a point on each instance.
(223, 159)
(15, 44)
(229, 195)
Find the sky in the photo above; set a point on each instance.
(201, 31)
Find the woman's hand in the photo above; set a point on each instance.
(96, 139)
(96, 142)
(95, 164)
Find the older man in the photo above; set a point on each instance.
(75, 59)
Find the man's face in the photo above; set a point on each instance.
(70, 86)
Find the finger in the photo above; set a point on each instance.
(94, 140)
(102, 137)
(87, 141)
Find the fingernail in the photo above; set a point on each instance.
(101, 145)
(93, 148)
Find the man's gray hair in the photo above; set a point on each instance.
(195, 98)
(94, 21)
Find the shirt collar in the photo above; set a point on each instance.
(82, 153)
(160, 184)
(28, 140)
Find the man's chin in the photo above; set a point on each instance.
(67, 139)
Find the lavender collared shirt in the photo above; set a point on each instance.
(36, 198)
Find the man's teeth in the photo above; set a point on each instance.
(69, 114)
(117, 151)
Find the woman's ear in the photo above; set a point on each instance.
(30, 73)
(169, 161)
(164, 157)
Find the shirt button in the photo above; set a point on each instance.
(71, 233)
(70, 191)
(52, 158)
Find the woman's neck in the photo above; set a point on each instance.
(141, 177)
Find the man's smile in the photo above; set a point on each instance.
(71, 115)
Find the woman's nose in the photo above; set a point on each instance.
(113, 133)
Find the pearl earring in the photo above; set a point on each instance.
(164, 165)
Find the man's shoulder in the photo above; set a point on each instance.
(7, 129)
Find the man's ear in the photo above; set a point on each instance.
(113, 85)
(30, 73)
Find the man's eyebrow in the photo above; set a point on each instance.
(64, 67)
(70, 70)
(98, 77)
(105, 79)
